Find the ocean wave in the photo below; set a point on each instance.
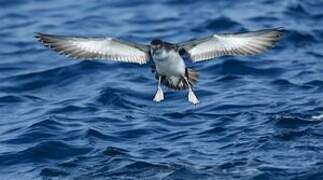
(260, 116)
(227, 24)
(43, 152)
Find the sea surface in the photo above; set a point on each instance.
(260, 117)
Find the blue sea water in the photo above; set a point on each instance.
(260, 117)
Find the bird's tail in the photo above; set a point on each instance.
(193, 76)
(179, 83)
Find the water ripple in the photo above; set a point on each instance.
(260, 117)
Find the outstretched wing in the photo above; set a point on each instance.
(96, 48)
(246, 43)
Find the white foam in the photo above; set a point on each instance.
(318, 117)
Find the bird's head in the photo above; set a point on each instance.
(156, 44)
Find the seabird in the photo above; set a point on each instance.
(170, 69)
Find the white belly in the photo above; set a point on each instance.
(171, 65)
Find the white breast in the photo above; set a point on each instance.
(169, 63)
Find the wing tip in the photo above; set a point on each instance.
(42, 37)
(38, 35)
(279, 31)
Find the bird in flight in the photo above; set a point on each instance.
(170, 69)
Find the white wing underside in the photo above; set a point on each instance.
(96, 48)
(248, 43)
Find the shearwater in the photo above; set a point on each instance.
(170, 69)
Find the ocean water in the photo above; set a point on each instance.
(260, 117)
